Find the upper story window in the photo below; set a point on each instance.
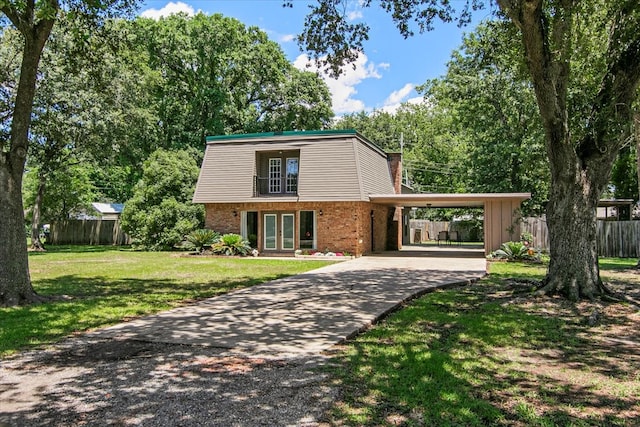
(292, 175)
(277, 173)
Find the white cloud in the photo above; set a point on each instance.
(343, 90)
(356, 14)
(416, 100)
(170, 9)
(287, 38)
(398, 95)
(397, 98)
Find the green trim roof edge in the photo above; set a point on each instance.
(282, 133)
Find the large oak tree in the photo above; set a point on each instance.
(581, 143)
(34, 20)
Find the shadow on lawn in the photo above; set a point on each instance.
(121, 382)
(468, 357)
(51, 249)
(459, 359)
(72, 286)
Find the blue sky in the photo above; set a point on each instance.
(385, 76)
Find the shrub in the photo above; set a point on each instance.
(199, 239)
(231, 244)
(516, 251)
(161, 213)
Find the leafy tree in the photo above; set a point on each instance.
(83, 108)
(220, 77)
(592, 46)
(34, 22)
(624, 177)
(492, 106)
(160, 214)
(72, 193)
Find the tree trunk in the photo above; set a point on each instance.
(571, 217)
(15, 281)
(36, 243)
(636, 135)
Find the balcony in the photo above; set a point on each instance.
(275, 187)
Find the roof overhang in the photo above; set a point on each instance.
(607, 203)
(463, 200)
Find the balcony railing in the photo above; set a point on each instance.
(266, 187)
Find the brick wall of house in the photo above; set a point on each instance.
(340, 226)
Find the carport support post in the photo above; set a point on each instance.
(501, 223)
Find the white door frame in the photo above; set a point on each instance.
(284, 216)
(264, 233)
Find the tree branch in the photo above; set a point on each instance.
(16, 19)
(550, 77)
(611, 118)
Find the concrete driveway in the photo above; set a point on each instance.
(307, 313)
(247, 358)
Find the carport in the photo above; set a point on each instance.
(500, 211)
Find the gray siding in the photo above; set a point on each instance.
(374, 172)
(226, 174)
(328, 171)
(332, 168)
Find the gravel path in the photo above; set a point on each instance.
(132, 383)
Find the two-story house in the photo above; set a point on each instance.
(299, 190)
(325, 190)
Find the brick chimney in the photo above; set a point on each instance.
(395, 168)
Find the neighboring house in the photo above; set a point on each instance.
(98, 226)
(323, 190)
(108, 211)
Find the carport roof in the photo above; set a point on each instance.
(431, 200)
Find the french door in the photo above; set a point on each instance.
(279, 231)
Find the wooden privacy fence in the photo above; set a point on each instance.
(88, 232)
(423, 230)
(537, 227)
(619, 239)
(614, 238)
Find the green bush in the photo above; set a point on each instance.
(231, 244)
(161, 213)
(516, 251)
(199, 239)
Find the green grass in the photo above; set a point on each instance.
(455, 358)
(95, 286)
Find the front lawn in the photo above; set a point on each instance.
(96, 286)
(490, 354)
